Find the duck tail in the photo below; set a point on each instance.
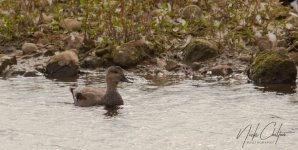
(71, 89)
(72, 92)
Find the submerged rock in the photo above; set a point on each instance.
(70, 24)
(29, 48)
(272, 67)
(6, 61)
(130, 54)
(13, 72)
(200, 50)
(65, 64)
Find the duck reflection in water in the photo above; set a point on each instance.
(112, 111)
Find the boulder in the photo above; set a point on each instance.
(70, 24)
(29, 48)
(65, 64)
(130, 54)
(272, 67)
(200, 50)
(6, 61)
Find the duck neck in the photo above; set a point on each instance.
(111, 86)
(112, 97)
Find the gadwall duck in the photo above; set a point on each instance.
(87, 96)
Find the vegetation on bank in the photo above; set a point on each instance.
(233, 24)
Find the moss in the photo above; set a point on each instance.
(273, 67)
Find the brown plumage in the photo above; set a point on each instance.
(88, 96)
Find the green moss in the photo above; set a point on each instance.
(273, 67)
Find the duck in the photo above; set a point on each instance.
(109, 96)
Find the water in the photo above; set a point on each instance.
(37, 113)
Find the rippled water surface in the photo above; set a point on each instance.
(37, 113)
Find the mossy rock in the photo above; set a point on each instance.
(272, 67)
(6, 61)
(129, 54)
(65, 64)
(200, 50)
(103, 51)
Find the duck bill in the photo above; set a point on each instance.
(124, 79)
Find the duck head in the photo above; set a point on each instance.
(115, 75)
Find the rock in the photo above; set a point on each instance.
(156, 13)
(6, 61)
(19, 71)
(29, 48)
(31, 73)
(7, 50)
(293, 47)
(282, 43)
(294, 57)
(103, 51)
(200, 50)
(46, 19)
(13, 72)
(245, 58)
(130, 54)
(171, 65)
(272, 67)
(221, 70)
(74, 41)
(196, 66)
(51, 50)
(40, 68)
(264, 43)
(70, 24)
(45, 28)
(38, 34)
(91, 62)
(65, 64)
(192, 13)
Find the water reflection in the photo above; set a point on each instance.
(112, 111)
(278, 88)
(66, 79)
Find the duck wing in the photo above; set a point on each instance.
(87, 96)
